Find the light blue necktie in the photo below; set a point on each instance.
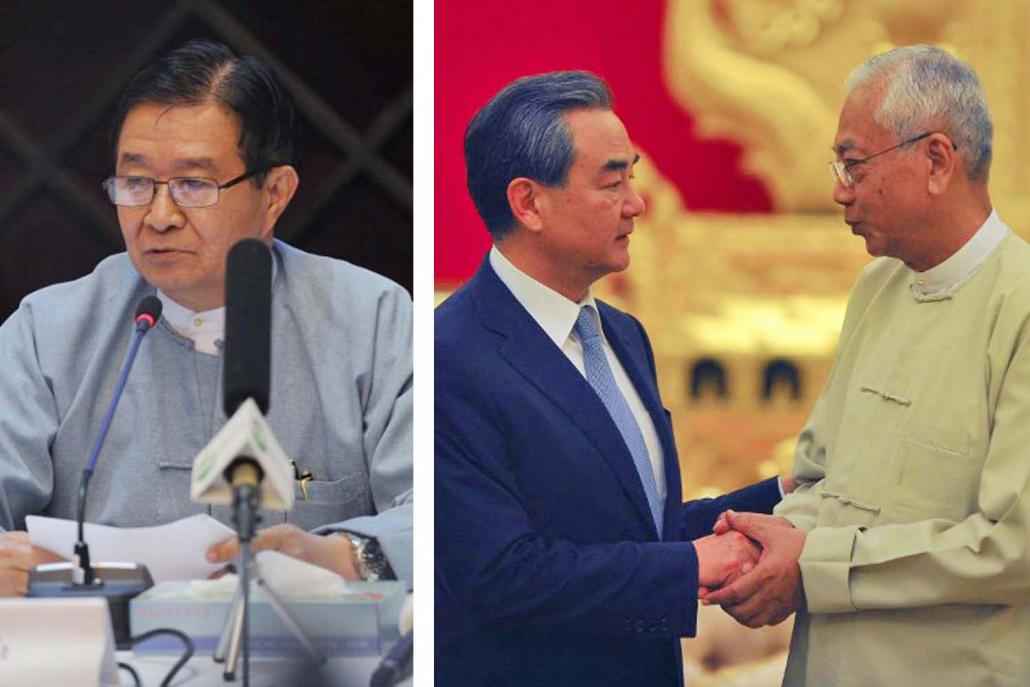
(600, 376)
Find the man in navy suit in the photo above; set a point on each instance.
(564, 555)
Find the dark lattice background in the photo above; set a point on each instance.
(63, 64)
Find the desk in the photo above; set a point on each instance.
(59, 641)
(200, 621)
(201, 671)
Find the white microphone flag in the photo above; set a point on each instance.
(245, 434)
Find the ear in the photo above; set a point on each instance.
(524, 199)
(280, 185)
(943, 162)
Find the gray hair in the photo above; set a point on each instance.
(929, 87)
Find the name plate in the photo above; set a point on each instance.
(56, 642)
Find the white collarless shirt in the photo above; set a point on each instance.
(557, 316)
(205, 329)
(953, 272)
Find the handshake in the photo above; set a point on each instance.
(749, 566)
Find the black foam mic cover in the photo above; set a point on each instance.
(248, 325)
(149, 309)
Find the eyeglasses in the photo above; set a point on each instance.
(187, 192)
(842, 169)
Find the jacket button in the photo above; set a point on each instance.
(641, 626)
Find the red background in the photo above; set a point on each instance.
(481, 46)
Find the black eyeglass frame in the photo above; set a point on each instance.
(108, 183)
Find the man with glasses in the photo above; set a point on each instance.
(904, 549)
(204, 143)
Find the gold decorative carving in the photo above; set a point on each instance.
(746, 290)
(769, 74)
(768, 27)
(778, 113)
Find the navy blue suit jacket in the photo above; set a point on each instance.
(549, 569)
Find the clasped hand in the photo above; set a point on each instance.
(764, 590)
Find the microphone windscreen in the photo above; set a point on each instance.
(149, 308)
(248, 325)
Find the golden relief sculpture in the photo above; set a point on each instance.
(769, 74)
(744, 310)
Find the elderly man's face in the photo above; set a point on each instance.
(886, 203)
(179, 250)
(588, 220)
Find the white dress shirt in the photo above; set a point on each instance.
(557, 315)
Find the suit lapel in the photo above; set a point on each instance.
(530, 352)
(643, 382)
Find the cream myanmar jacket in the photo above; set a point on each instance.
(915, 486)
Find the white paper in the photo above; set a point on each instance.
(171, 552)
(287, 577)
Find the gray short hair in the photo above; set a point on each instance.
(928, 87)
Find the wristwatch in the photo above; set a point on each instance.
(369, 558)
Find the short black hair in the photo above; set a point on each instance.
(205, 71)
(521, 132)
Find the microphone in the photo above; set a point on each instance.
(245, 452)
(244, 464)
(148, 312)
(118, 582)
(248, 325)
(245, 438)
(396, 665)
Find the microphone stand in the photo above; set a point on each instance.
(84, 574)
(117, 582)
(246, 368)
(244, 474)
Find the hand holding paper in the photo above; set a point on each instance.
(17, 555)
(332, 552)
(171, 552)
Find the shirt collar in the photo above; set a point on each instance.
(960, 266)
(555, 313)
(190, 323)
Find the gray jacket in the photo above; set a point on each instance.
(340, 402)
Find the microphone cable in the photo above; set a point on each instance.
(186, 656)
